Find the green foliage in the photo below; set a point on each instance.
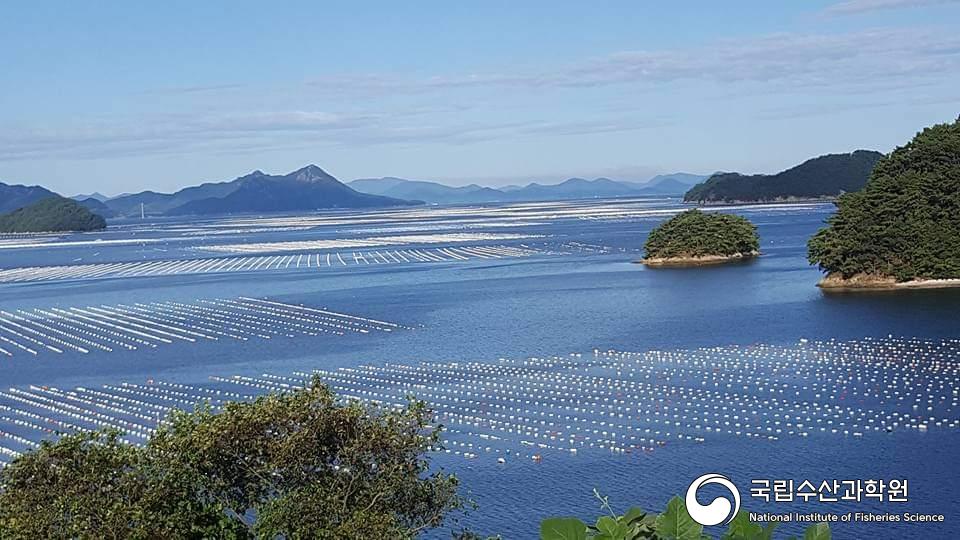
(292, 465)
(53, 214)
(563, 529)
(905, 223)
(93, 485)
(824, 176)
(820, 531)
(674, 523)
(696, 234)
(741, 528)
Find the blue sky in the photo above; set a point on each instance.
(125, 96)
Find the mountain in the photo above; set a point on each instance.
(160, 203)
(431, 192)
(51, 214)
(671, 184)
(13, 197)
(309, 188)
(95, 195)
(573, 188)
(678, 177)
(96, 206)
(821, 177)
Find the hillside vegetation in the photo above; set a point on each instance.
(822, 177)
(695, 235)
(300, 464)
(905, 224)
(17, 196)
(53, 214)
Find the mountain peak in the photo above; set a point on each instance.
(310, 173)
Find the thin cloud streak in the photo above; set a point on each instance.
(856, 7)
(799, 60)
(278, 130)
(867, 61)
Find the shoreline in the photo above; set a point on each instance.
(781, 201)
(705, 260)
(862, 283)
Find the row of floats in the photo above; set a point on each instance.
(615, 402)
(259, 263)
(133, 326)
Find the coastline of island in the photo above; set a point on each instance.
(863, 283)
(700, 260)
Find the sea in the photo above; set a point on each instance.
(560, 367)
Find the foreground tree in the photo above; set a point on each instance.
(904, 225)
(294, 465)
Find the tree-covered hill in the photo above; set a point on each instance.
(821, 177)
(695, 235)
(18, 196)
(53, 214)
(905, 224)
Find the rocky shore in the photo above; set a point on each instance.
(705, 260)
(866, 283)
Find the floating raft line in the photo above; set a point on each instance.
(131, 327)
(629, 404)
(262, 263)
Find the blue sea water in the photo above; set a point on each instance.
(550, 304)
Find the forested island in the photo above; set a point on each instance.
(903, 228)
(52, 214)
(824, 177)
(695, 238)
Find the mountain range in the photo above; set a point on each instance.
(14, 197)
(821, 177)
(573, 188)
(309, 188)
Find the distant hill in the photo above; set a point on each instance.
(160, 203)
(51, 214)
(95, 196)
(309, 188)
(573, 188)
(13, 197)
(432, 192)
(822, 177)
(671, 184)
(96, 206)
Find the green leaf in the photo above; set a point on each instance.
(611, 529)
(820, 531)
(676, 523)
(563, 529)
(741, 528)
(633, 514)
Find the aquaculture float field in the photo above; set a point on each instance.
(556, 364)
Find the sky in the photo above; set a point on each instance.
(126, 96)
